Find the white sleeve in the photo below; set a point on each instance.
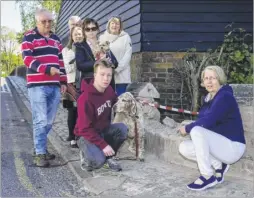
(125, 61)
(68, 55)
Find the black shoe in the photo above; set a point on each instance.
(74, 144)
(41, 161)
(69, 138)
(113, 164)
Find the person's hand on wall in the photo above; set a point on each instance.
(182, 131)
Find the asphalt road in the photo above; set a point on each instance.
(18, 177)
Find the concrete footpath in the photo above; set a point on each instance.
(152, 178)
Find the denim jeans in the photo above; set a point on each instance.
(121, 88)
(44, 102)
(94, 157)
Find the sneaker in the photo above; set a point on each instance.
(41, 161)
(84, 164)
(74, 144)
(49, 156)
(221, 172)
(113, 164)
(207, 183)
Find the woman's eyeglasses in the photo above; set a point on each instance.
(209, 79)
(90, 29)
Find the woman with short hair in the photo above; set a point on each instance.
(217, 136)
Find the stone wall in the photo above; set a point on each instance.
(244, 97)
(158, 68)
(19, 71)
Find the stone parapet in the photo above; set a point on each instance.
(244, 97)
(164, 143)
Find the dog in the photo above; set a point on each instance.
(128, 111)
(101, 49)
(104, 47)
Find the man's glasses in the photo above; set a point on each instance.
(91, 29)
(46, 21)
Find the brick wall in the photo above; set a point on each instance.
(158, 68)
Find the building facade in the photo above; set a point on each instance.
(161, 31)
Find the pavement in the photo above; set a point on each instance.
(19, 178)
(152, 178)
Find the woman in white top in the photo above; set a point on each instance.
(120, 45)
(76, 35)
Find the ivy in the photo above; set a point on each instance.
(235, 55)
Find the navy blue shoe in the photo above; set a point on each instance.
(222, 172)
(207, 183)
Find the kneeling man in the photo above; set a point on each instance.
(98, 140)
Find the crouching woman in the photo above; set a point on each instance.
(217, 136)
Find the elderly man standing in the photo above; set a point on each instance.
(46, 80)
(74, 21)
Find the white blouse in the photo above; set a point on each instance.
(68, 55)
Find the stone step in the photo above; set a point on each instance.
(163, 143)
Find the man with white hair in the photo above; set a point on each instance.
(46, 80)
(74, 21)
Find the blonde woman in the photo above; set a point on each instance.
(121, 47)
(76, 35)
(217, 136)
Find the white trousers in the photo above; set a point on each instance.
(210, 149)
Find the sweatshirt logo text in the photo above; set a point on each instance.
(100, 110)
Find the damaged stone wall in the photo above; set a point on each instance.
(158, 68)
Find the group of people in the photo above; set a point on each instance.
(96, 76)
(217, 136)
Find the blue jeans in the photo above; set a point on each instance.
(121, 88)
(114, 135)
(44, 102)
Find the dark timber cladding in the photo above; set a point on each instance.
(100, 10)
(166, 25)
(178, 25)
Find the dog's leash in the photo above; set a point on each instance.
(136, 138)
(53, 165)
(168, 108)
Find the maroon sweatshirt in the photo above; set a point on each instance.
(94, 113)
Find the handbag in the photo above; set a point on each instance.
(71, 92)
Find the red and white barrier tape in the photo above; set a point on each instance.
(158, 106)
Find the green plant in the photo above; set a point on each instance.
(235, 56)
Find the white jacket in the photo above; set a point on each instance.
(120, 46)
(68, 55)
